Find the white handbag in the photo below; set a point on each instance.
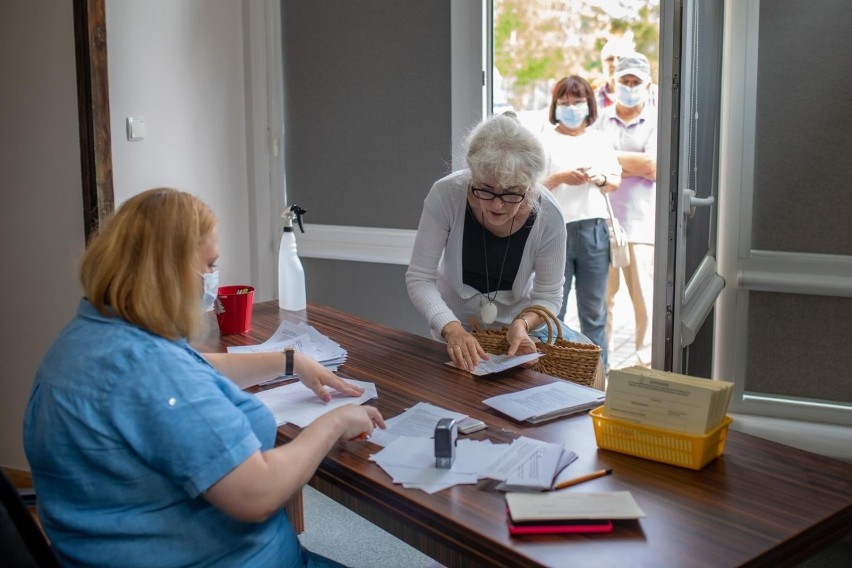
(619, 253)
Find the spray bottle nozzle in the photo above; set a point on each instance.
(294, 212)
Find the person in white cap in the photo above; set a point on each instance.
(631, 126)
(611, 52)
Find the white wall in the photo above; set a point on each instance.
(41, 206)
(180, 66)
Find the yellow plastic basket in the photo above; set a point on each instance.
(674, 448)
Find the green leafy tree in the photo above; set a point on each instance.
(536, 42)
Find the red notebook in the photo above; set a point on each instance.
(561, 527)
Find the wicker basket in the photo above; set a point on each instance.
(577, 362)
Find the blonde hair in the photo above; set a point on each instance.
(142, 263)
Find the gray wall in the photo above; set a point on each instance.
(373, 291)
(798, 345)
(41, 205)
(367, 110)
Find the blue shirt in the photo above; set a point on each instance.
(125, 431)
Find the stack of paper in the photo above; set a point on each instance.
(565, 511)
(666, 400)
(303, 338)
(525, 464)
(547, 402)
(409, 455)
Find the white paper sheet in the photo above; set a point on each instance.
(297, 404)
(555, 399)
(418, 421)
(304, 339)
(524, 464)
(497, 363)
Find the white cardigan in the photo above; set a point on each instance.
(434, 276)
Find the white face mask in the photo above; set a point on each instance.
(631, 96)
(572, 116)
(211, 290)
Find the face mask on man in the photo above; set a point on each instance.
(211, 290)
(630, 96)
(572, 116)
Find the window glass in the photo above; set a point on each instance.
(537, 42)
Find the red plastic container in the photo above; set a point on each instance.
(233, 309)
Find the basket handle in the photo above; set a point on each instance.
(550, 319)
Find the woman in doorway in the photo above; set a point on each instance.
(143, 451)
(631, 128)
(491, 242)
(582, 166)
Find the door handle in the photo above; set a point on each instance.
(692, 202)
(699, 297)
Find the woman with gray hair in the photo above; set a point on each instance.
(491, 242)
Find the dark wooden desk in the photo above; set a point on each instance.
(760, 504)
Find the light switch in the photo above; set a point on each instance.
(135, 128)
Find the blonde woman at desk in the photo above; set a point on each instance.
(143, 451)
(491, 242)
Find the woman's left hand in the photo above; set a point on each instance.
(316, 377)
(520, 342)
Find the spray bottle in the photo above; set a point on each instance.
(291, 275)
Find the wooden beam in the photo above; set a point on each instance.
(93, 107)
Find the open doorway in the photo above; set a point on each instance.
(532, 45)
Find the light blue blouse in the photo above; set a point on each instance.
(124, 432)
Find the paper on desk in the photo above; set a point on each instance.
(559, 398)
(564, 505)
(431, 480)
(410, 461)
(297, 404)
(420, 453)
(304, 339)
(540, 471)
(524, 464)
(497, 363)
(418, 421)
(529, 464)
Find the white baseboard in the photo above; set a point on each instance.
(824, 439)
(358, 244)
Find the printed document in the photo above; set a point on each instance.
(297, 404)
(546, 402)
(525, 464)
(497, 363)
(666, 400)
(419, 421)
(304, 339)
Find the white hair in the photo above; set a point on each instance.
(503, 152)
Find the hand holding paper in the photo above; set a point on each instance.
(497, 363)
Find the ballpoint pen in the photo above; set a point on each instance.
(582, 478)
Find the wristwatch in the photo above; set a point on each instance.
(289, 353)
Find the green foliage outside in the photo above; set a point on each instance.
(537, 42)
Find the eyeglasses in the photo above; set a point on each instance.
(488, 195)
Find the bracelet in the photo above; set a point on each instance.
(289, 353)
(604, 181)
(523, 319)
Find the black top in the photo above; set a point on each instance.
(473, 261)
